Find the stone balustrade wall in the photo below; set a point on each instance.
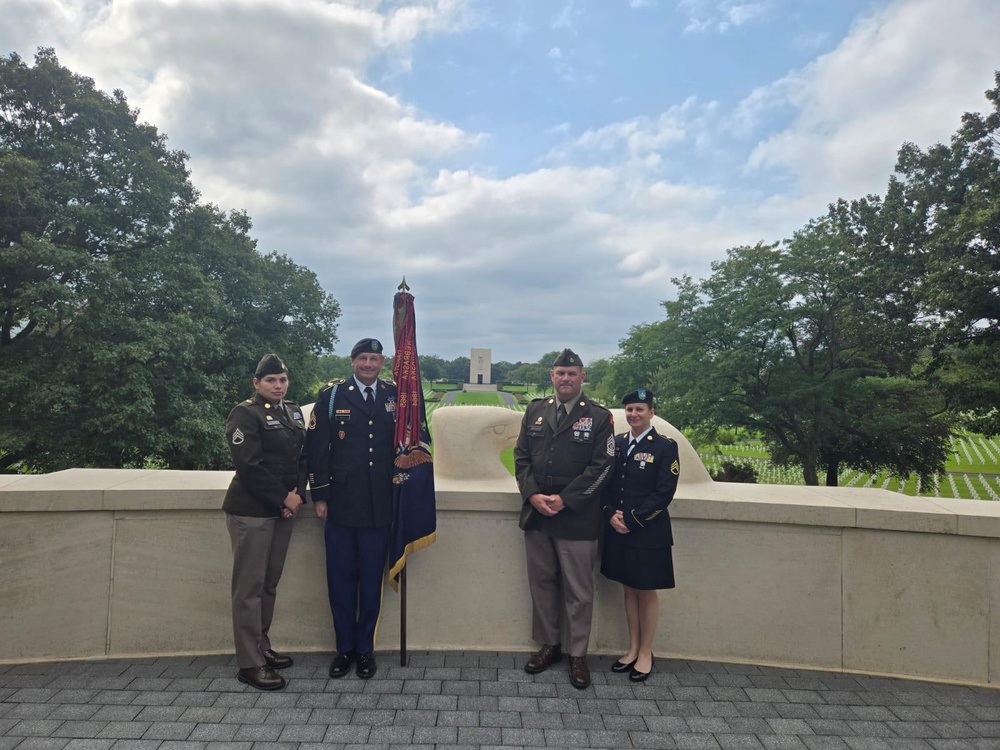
(97, 563)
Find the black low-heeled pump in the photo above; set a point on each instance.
(636, 676)
(619, 666)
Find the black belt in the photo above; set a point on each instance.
(552, 485)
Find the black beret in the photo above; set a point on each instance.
(568, 358)
(365, 346)
(270, 364)
(639, 396)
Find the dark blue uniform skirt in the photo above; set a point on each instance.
(637, 568)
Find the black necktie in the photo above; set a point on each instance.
(369, 396)
(560, 414)
(631, 446)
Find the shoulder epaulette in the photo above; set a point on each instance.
(540, 398)
(336, 381)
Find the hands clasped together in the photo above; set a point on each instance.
(291, 504)
(547, 505)
(618, 523)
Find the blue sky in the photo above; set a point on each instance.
(538, 169)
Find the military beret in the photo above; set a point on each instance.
(270, 364)
(365, 346)
(639, 396)
(568, 358)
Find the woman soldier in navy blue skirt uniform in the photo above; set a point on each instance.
(637, 534)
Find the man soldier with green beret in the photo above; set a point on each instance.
(349, 448)
(564, 454)
(265, 434)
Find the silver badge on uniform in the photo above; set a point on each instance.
(238, 437)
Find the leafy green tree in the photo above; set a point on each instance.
(948, 199)
(500, 371)
(638, 363)
(789, 341)
(132, 317)
(431, 366)
(458, 369)
(524, 373)
(597, 371)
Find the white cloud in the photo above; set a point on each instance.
(272, 101)
(721, 15)
(902, 74)
(567, 16)
(639, 138)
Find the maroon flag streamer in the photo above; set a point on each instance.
(415, 523)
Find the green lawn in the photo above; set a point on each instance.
(972, 470)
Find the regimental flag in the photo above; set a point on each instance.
(415, 523)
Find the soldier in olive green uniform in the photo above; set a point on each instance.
(265, 435)
(563, 456)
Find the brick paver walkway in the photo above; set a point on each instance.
(476, 699)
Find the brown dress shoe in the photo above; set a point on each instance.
(579, 672)
(262, 678)
(544, 658)
(275, 660)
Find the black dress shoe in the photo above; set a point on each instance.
(277, 661)
(620, 666)
(579, 672)
(366, 665)
(544, 658)
(262, 678)
(636, 676)
(341, 663)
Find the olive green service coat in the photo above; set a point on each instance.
(572, 460)
(266, 447)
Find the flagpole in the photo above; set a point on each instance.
(413, 478)
(402, 618)
(403, 287)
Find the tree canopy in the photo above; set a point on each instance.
(132, 315)
(860, 342)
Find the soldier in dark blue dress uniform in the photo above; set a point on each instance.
(265, 435)
(637, 533)
(349, 447)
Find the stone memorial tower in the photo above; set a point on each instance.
(480, 364)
